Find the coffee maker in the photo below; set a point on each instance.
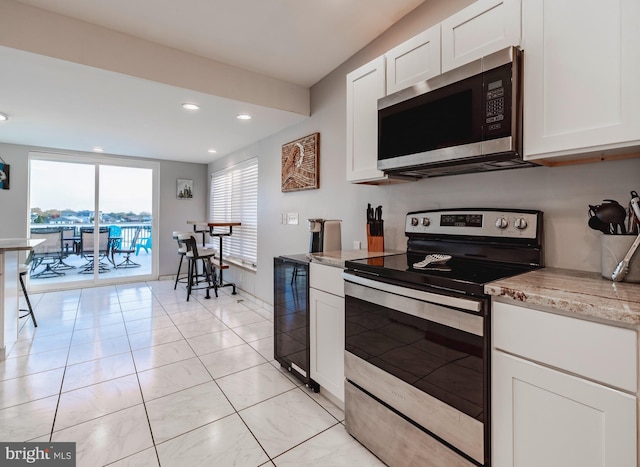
(325, 235)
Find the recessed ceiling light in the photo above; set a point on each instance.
(189, 106)
(97, 149)
(244, 117)
(212, 151)
(3, 117)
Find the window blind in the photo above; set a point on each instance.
(234, 197)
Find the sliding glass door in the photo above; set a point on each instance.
(97, 217)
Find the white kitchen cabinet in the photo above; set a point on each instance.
(326, 330)
(364, 87)
(555, 391)
(545, 417)
(482, 28)
(581, 75)
(415, 60)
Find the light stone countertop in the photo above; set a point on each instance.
(14, 244)
(580, 293)
(338, 258)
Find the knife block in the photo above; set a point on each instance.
(374, 243)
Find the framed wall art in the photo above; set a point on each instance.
(4, 175)
(300, 164)
(184, 189)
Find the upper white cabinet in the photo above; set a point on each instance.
(482, 28)
(364, 87)
(413, 61)
(581, 77)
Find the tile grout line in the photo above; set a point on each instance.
(66, 364)
(144, 402)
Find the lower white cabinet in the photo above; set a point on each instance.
(555, 400)
(326, 330)
(543, 417)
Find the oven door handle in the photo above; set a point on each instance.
(405, 301)
(461, 303)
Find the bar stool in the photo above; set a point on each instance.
(193, 254)
(24, 269)
(182, 250)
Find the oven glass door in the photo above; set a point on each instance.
(445, 362)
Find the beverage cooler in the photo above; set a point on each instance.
(291, 316)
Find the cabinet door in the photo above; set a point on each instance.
(364, 87)
(327, 341)
(413, 61)
(581, 76)
(542, 417)
(482, 28)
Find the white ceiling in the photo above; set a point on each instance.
(59, 104)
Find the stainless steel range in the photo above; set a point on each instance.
(417, 351)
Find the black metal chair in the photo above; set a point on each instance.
(87, 241)
(47, 254)
(182, 251)
(193, 254)
(127, 263)
(24, 269)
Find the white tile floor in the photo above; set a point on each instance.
(137, 376)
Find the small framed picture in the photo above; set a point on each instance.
(4, 176)
(184, 189)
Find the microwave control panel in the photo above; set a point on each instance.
(497, 92)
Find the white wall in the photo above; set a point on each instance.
(174, 213)
(562, 193)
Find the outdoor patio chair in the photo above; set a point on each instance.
(144, 243)
(127, 263)
(68, 247)
(47, 254)
(86, 249)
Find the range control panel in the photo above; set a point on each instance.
(475, 222)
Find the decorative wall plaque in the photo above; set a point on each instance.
(300, 168)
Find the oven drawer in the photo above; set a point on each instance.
(394, 440)
(603, 353)
(458, 429)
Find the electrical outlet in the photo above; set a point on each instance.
(292, 218)
(356, 245)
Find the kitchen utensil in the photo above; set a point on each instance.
(432, 259)
(611, 212)
(597, 224)
(622, 268)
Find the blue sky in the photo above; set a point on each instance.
(62, 185)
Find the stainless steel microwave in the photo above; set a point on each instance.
(466, 120)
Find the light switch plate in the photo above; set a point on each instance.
(292, 218)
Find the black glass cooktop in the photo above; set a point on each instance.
(457, 274)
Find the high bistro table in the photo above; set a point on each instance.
(218, 281)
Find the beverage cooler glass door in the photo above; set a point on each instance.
(291, 316)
